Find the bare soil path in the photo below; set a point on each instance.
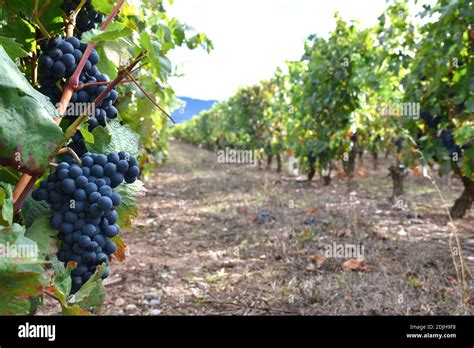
(216, 239)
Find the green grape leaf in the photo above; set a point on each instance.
(103, 6)
(28, 135)
(44, 235)
(114, 138)
(88, 136)
(33, 209)
(92, 293)
(20, 272)
(62, 278)
(13, 48)
(6, 204)
(114, 31)
(9, 175)
(130, 194)
(61, 287)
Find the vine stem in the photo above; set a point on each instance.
(36, 15)
(149, 97)
(26, 183)
(99, 84)
(111, 85)
(47, 293)
(71, 23)
(71, 152)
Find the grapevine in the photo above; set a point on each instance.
(76, 162)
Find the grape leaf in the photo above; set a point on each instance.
(114, 138)
(9, 175)
(17, 28)
(128, 207)
(13, 48)
(62, 287)
(116, 51)
(88, 136)
(19, 13)
(43, 234)
(33, 209)
(62, 278)
(154, 52)
(92, 293)
(121, 248)
(114, 31)
(28, 135)
(6, 204)
(16, 288)
(103, 6)
(20, 277)
(75, 310)
(107, 66)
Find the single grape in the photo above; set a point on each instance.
(57, 220)
(75, 171)
(81, 181)
(110, 247)
(84, 241)
(111, 231)
(122, 166)
(101, 160)
(74, 41)
(68, 185)
(97, 170)
(105, 190)
(90, 187)
(94, 57)
(88, 256)
(100, 239)
(66, 47)
(69, 60)
(104, 204)
(55, 54)
(116, 199)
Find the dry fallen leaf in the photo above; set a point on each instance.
(355, 265)
(341, 174)
(319, 260)
(451, 280)
(416, 171)
(360, 172)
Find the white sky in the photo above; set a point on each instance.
(252, 38)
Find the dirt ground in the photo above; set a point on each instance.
(222, 239)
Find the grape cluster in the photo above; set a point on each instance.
(87, 18)
(448, 142)
(398, 143)
(84, 203)
(430, 120)
(59, 60)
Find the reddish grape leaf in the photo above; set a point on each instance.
(120, 254)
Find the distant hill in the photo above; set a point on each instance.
(192, 108)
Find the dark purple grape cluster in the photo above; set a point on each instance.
(432, 121)
(87, 18)
(448, 142)
(83, 201)
(58, 62)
